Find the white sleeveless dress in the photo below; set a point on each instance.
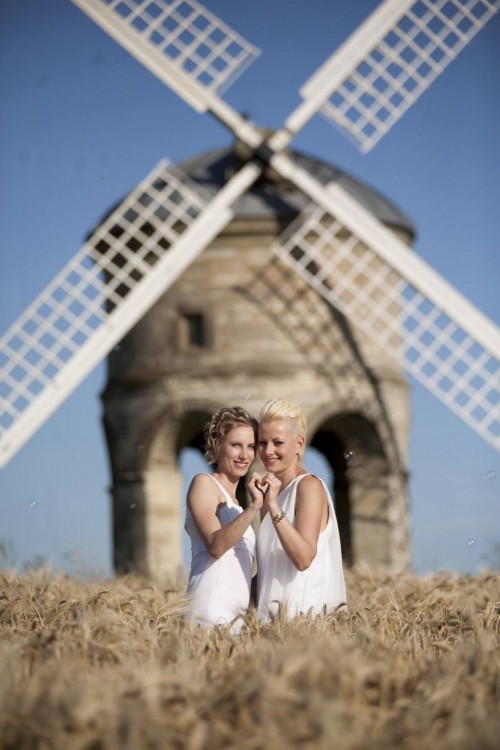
(318, 589)
(219, 590)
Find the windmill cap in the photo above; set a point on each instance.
(271, 197)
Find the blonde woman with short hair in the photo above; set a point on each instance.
(299, 555)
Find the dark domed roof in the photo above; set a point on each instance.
(211, 169)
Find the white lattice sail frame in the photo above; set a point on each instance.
(180, 41)
(368, 274)
(366, 86)
(129, 262)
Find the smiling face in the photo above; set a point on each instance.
(236, 452)
(280, 446)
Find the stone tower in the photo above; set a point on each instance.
(238, 327)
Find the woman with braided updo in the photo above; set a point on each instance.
(222, 538)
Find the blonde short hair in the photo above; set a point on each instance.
(280, 408)
(223, 421)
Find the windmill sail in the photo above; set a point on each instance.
(366, 86)
(180, 41)
(185, 45)
(139, 251)
(406, 308)
(130, 261)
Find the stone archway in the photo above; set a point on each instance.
(145, 443)
(370, 495)
(163, 487)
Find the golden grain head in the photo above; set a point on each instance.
(111, 665)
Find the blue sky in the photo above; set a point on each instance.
(82, 122)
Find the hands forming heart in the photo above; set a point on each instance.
(260, 488)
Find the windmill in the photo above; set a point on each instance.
(46, 356)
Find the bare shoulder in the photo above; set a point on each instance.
(202, 480)
(311, 482)
(202, 488)
(311, 486)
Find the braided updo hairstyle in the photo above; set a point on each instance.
(223, 421)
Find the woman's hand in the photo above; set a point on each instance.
(272, 489)
(256, 490)
(264, 491)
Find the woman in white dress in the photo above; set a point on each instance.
(299, 556)
(222, 538)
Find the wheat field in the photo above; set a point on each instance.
(108, 665)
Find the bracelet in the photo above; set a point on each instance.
(279, 517)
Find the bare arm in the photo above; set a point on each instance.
(300, 539)
(203, 500)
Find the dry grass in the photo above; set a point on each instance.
(111, 665)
